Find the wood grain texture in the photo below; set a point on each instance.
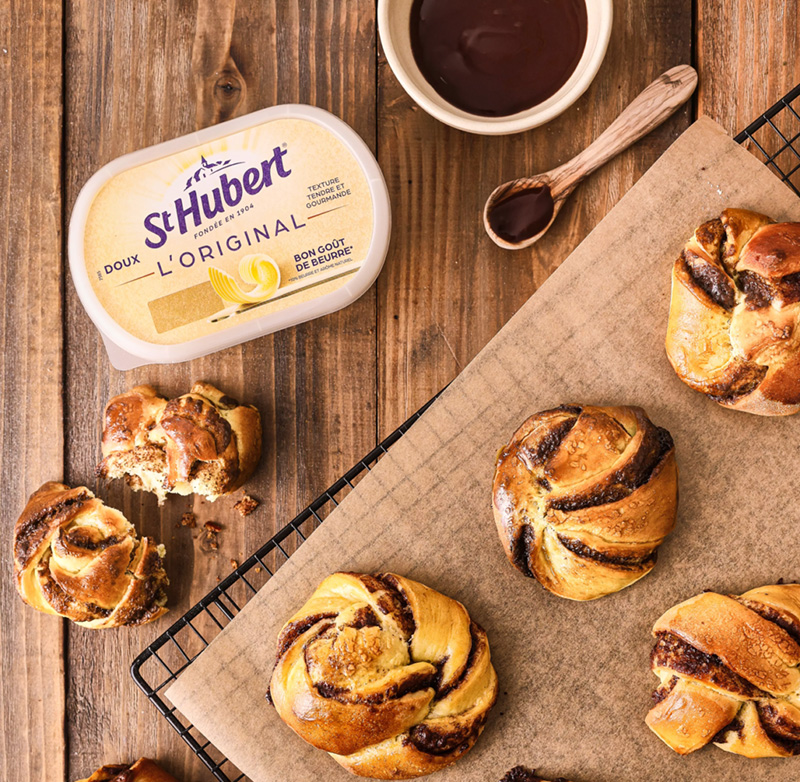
(140, 74)
(129, 85)
(447, 289)
(748, 56)
(31, 441)
(221, 92)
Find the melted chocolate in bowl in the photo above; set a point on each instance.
(522, 215)
(494, 58)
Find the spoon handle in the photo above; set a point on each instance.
(647, 111)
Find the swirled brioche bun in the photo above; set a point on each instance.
(203, 442)
(583, 497)
(729, 667)
(390, 677)
(734, 319)
(75, 557)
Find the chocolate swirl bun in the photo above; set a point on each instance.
(387, 675)
(202, 442)
(730, 673)
(733, 322)
(522, 774)
(77, 558)
(143, 770)
(584, 496)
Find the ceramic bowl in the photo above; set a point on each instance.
(394, 24)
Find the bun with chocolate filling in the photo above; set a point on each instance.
(143, 770)
(202, 442)
(522, 774)
(734, 319)
(390, 677)
(584, 496)
(77, 558)
(730, 673)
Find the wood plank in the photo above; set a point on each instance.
(748, 56)
(139, 75)
(447, 288)
(126, 68)
(31, 442)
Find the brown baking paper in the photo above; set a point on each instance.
(575, 682)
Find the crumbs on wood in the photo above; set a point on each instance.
(246, 505)
(188, 520)
(209, 540)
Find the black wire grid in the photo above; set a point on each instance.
(774, 137)
(158, 666)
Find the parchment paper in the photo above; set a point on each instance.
(574, 677)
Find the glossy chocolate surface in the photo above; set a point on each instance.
(498, 57)
(522, 215)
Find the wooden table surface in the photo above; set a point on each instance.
(85, 81)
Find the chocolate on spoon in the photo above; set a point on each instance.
(518, 213)
(523, 214)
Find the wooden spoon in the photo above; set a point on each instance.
(538, 199)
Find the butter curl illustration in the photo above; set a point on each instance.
(259, 270)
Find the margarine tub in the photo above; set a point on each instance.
(226, 234)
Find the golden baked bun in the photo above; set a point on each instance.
(202, 442)
(143, 770)
(390, 677)
(75, 557)
(522, 774)
(733, 321)
(730, 673)
(584, 496)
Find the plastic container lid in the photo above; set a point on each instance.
(229, 233)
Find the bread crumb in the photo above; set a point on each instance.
(234, 564)
(188, 520)
(209, 540)
(246, 505)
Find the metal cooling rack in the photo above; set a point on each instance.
(774, 137)
(160, 664)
